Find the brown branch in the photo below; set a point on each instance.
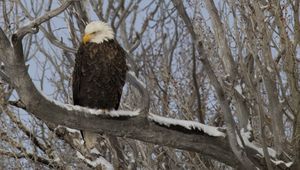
(33, 157)
(32, 27)
(132, 79)
(4, 76)
(201, 115)
(30, 135)
(135, 128)
(49, 35)
(4, 137)
(18, 104)
(221, 96)
(23, 152)
(214, 147)
(223, 47)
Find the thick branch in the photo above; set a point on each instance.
(222, 42)
(224, 103)
(136, 128)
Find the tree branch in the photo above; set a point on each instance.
(32, 27)
(224, 103)
(32, 157)
(138, 127)
(47, 110)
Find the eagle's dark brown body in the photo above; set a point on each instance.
(99, 75)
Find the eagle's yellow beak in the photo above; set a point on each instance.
(86, 38)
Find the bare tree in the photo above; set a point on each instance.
(211, 86)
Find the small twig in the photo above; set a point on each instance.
(4, 76)
(32, 157)
(30, 135)
(49, 35)
(18, 104)
(221, 95)
(32, 27)
(133, 80)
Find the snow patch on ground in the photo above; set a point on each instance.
(95, 163)
(190, 125)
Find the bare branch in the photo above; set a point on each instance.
(132, 79)
(32, 157)
(131, 128)
(32, 27)
(241, 155)
(247, 75)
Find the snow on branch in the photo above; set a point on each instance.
(99, 161)
(279, 162)
(190, 125)
(246, 136)
(70, 130)
(111, 113)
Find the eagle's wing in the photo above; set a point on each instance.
(90, 138)
(76, 77)
(120, 68)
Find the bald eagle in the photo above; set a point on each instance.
(99, 73)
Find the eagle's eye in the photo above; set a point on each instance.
(96, 32)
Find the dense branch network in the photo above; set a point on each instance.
(76, 117)
(187, 135)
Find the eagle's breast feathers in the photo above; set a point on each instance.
(99, 75)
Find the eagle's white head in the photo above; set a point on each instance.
(97, 32)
